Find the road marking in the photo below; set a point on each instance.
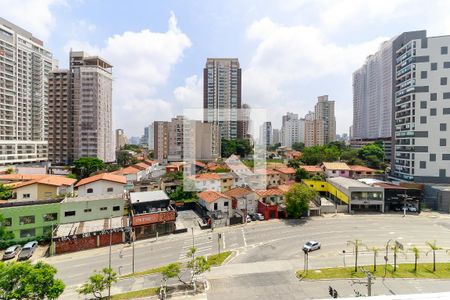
(243, 237)
(185, 246)
(223, 240)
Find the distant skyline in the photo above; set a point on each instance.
(290, 51)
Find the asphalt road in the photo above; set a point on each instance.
(268, 249)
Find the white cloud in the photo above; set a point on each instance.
(191, 92)
(32, 15)
(142, 64)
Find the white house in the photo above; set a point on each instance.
(244, 199)
(131, 173)
(207, 182)
(217, 205)
(101, 184)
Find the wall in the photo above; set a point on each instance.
(226, 210)
(100, 188)
(322, 186)
(94, 205)
(89, 242)
(46, 192)
(31, 189)
(38, 211)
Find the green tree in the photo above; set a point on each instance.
(293, 163)
(170, 271)
(274, 147)
(197, 265)
(297, 200)
(416, 252)
(22, 280)
(373, 154)
(433, 249)
(298, 146)
(4, 234)
(124, 158)
(5, 192)
(300, 174)
(134, 148)
(180, 194)
(312, 155)
(375, 251)
(98, 282)
(395, 248)
(239, 147)
(356, 245)
(88, 165)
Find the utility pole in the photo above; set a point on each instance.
(134, 237)
(219, 237)
(110, 248)
(386, 257)
(305, 263)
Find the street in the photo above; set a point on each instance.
(268, 251)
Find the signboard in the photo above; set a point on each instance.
(154, 218)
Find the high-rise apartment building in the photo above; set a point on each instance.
(222, 95)
(324, 113)
(84, 93)
(372, 95)
(292, 130)
(121, 139)
(276, 136)
(161, 140)
(151, 139)
(144, 137)
(201, 141)
(421, 107)
(176, 142)
(310, 129)
(24, 68)
(245, 122)
(265, 134)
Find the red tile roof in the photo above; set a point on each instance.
(286, 170)
(48, 180)
(270, 192)
(358, 168)
(206, 176)
(102, 176)
(212, 196)
(238, 192)
(14, 177)
(266, 172)
(336, 166)
(126, 171)
(311, 168)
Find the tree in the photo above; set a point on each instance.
(396, 250)
(170, 271)
(416, 252)
(356, 244)
(22, 280)
(98, 282)
(375, 251)
(298, 146)
(4, 234)
(312, 155)
(293, 163)
(373, 154)
(85, 166)
(5, 192)
(124, 158)
(300, 174)
(274, 147)
(433, 248)
(239, 147)
(297, 200)
(180, 194)
(198, 264)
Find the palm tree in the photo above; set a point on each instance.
(375, 251)
(396, 250)
(433, 248)
(356, 244)
(416, 252)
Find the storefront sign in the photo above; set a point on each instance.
(154, 218)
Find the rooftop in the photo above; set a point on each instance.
(70, 229)
(270, 192)
(238, 192)
(358, 168)
(141, 197)
(336, 166)
(212, 196)
(287, 170)
(93, 198)
(311, 168)
(48, 180)
(126, 171)
(348, 183)
(102, 176)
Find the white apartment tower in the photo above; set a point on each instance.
(422, 108)
(265, 134)
(292, 130)
(324, 113)
(24, 68)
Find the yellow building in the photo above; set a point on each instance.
(47, 187)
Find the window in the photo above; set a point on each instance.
(215, 206)
(433, 96)
(442, 173)
(87, 210)
(432, 157)
(26, 220)
(50, 217)
(89, 191)
(103, 208)
(423, 104)
(322, 186)
(69, 213)
(225, 203)
(109, 190)
(423, 120)
(26, 233)
(446, 64)
(433, 66)
(116, 208)
(443, 142)
(446, 95)
(433, 111)
(443, 80)
(444, 50)
(7, 222)
(446, 111)
(334, 172)
(342, 172)
(445, 156)
(423, 74)
(423, 164)
(25, 196)
(443, 126)
(143, 189)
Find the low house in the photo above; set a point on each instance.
(217, 206)
(175, 167)
(101, 184)
(245, 200)
(131, 174)
(357, 171)
(226, 181)
(85, 235)
(151, 214)
(286, 174)
(272, 177)
(271, 203)
(293, 154)
(336, 169)
(87, 208)
(143, 167)
(207, 181)
(47, 187)
(30, 219)
(18, 178)
(313, 170)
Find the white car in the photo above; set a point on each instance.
(259, 217)
(311, 246)
(249, 219)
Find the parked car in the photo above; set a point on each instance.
(253, 216)
(411, 208)
(11, 252)
(249, 219)
(259, 217)
(28, 250)
(311, 246)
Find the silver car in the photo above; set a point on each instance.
(259, 217)
(11, 252)
(27, 250)
(311, 246)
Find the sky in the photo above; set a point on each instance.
(290, 51)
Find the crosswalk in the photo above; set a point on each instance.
(203, 245)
